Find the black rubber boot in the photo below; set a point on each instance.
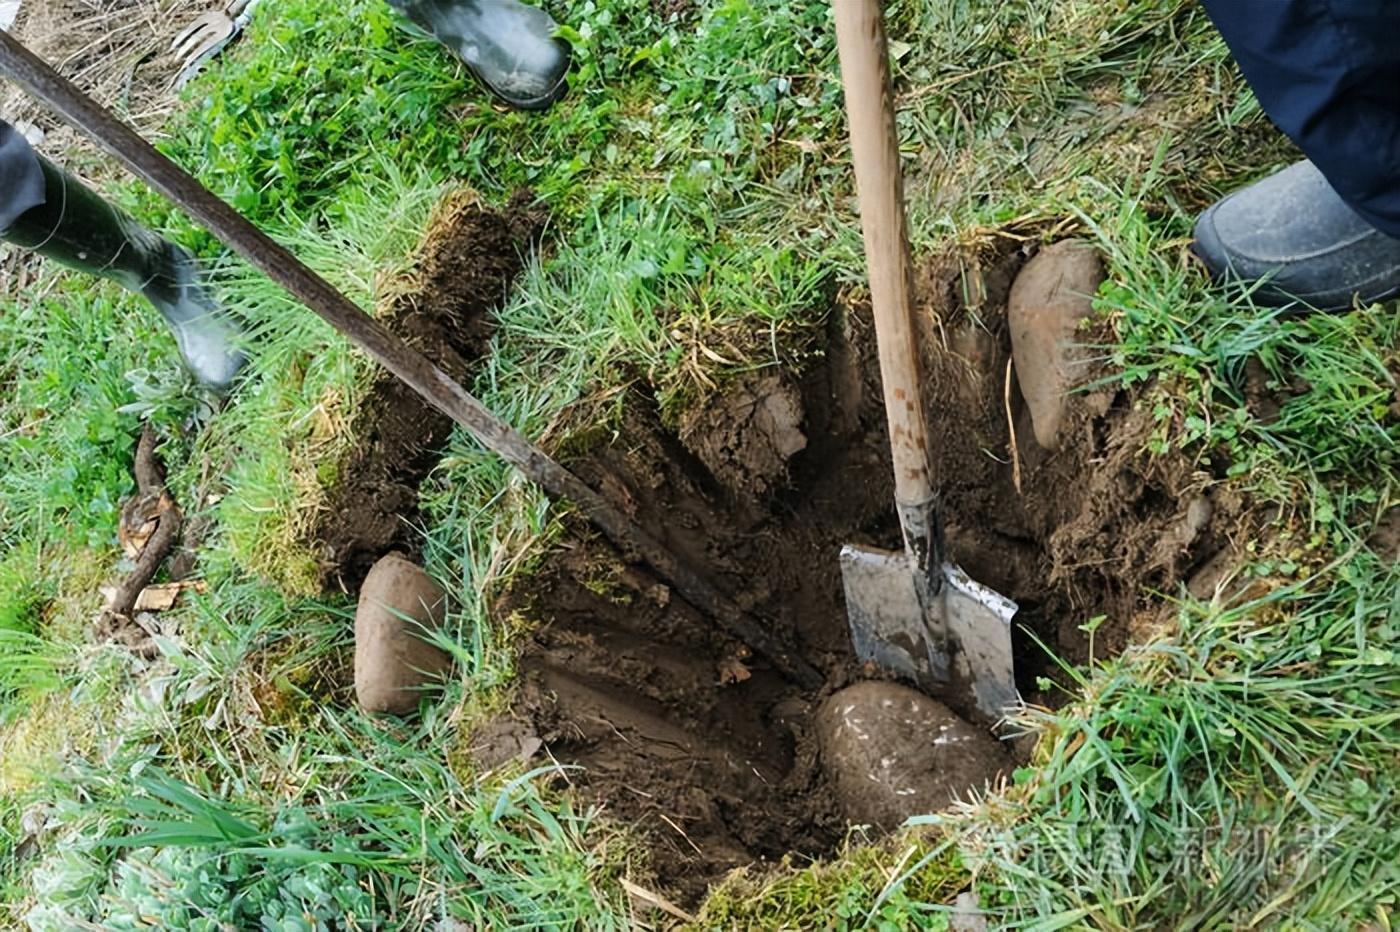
(76, 227)
(1295, 235)
(508, 45)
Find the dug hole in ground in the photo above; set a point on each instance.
(674, 727)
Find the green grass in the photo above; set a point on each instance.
(1235, 776)
(905, 882)
(1236, 772)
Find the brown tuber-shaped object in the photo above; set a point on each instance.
(394, 665)
(1049, 300)
(892, 752)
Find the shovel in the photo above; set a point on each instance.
(911, 612)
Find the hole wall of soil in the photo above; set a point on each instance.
(465, 268)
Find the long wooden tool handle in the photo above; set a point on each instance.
(434, 385)
(865, 72)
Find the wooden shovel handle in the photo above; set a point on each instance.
(865, 72)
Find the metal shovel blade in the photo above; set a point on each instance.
(960, 634)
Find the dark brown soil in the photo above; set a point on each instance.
(677, 728)
(682, 733)
(465, 268)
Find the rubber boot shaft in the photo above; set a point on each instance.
(76, 227)
(21, 180)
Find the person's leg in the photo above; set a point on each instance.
(508, 44)
(69, 223)
(1328, 74)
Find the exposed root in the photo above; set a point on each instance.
(120, 621)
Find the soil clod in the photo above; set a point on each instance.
(502, 741)
(746, 437)
(892, 752)
(394, 664)
(1385, 539)
(1050, 299)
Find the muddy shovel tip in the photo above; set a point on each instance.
(947, 633)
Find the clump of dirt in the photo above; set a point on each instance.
(680, 11)
(1385, 539)
(747, 436)
(711, 753)
(465, 269)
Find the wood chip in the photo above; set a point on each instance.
(732, 670)
(134, 540)
(157, 598)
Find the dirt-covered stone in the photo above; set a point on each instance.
(394, 665)
(1050, 299)
(892, 752)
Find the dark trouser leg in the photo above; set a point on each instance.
(73, 225)
(1328, 74)
(21, 178)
